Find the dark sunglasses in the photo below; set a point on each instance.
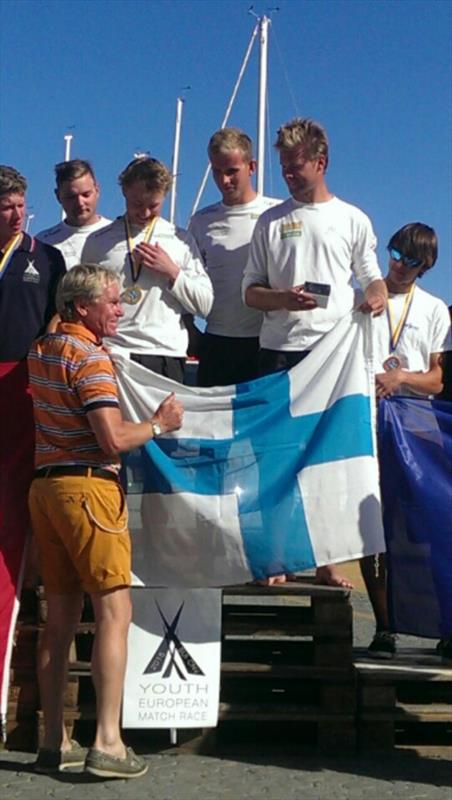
(409, 262)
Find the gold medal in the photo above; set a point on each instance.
(392, 362)
(132, 295)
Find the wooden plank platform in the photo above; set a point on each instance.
(295, 622)
(405, 700)
(287, 666)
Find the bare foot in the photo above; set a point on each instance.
(275, 579)
(328, 575)
(271, 581)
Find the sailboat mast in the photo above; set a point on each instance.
(67, 146)
(67, 157)
(175, 165)
(261, 111)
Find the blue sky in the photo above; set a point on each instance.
(376, 73)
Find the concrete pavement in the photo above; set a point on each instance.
(405, 774)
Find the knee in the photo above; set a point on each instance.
(63, 614)
(57, 634)
(113, 608)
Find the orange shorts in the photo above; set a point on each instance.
(80, 525)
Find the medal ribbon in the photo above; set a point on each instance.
(396, 330)
(130, 246)
(10, 249)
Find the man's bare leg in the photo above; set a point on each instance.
(63, 614)
(329, 575)
(375, 580)
(112, 612)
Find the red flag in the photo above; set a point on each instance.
(16, 470)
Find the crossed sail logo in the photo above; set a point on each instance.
(165, 685)
(171, 655)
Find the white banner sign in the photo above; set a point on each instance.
(173, 667)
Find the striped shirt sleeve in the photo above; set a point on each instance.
(95, 382)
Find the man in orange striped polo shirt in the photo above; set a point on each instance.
(79, 513)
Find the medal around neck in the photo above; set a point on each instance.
(393, 362)
(132, 295)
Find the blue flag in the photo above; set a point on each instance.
(415, 439)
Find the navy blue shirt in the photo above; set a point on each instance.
(27, 296)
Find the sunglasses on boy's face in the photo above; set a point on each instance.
(409, 262)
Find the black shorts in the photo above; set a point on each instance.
(225, 360)
(169, 366)
(277, 360)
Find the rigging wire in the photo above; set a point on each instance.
(269, 148)
(286, 74)
(227, 114)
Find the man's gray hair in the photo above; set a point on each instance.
(84, 282)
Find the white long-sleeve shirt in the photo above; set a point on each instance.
(154, 325)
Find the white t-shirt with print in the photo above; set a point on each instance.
(329, 242)
(223, 234)
(426, 331)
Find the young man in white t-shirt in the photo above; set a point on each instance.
(408, 343)
(77, 191)
(161, 273)
(313, 236)
(229, 347)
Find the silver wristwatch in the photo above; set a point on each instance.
(156, 429)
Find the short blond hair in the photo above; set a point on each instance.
(305, 133)
(11, 181)
(84, 282)
(227, 139)
(155, 175)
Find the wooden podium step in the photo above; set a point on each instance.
(407, 700)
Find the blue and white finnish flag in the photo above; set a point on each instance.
(271, 476)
